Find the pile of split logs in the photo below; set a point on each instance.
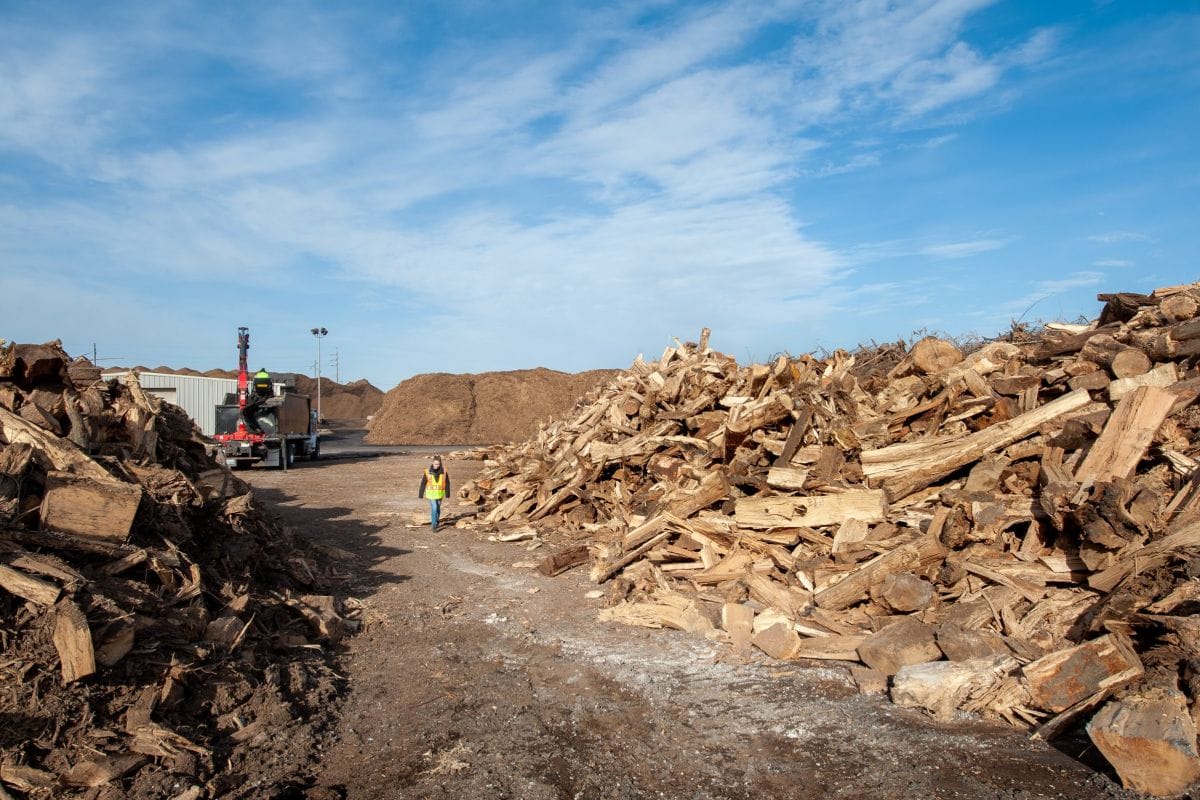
(152, 620)
(1012, 531)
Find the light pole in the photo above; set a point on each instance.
(319, 333)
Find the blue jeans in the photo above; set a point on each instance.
(435, 510)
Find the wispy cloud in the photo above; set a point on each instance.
(962, 249)
(1112, 262)
(657, 169)
(1118, 237)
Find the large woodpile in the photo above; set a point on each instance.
(157, 630)
(1012, 531)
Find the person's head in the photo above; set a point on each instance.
(437, 462)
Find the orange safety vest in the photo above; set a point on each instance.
(435, 486)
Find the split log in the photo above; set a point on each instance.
(1152, 555)
(787, 478)
(738, 621)
(902, 469)
(932, 356)
(904, 592)
(58, 453)
(923, 551)
(87, 507)
(73, 640)
(812, 511)
(26, 586)
(563, 560)
(905, 641)
(1150, 739)
(1162, 376)
(942, 687)
(779, 641)
(1064, 678)
(1126, 436)
(843, 647)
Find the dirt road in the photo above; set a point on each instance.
(476, 677)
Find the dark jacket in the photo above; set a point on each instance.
(421, 491)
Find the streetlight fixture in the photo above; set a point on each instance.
(319, 333)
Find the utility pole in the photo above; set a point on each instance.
(337, 366)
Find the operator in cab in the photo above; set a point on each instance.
(262, 383)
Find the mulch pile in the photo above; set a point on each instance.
(1013, 531)
(160, 635)
(486, 408)
(357, 400)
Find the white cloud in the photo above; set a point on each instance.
(1118, 237)
(1112, 262)
(962, 249)
(642, 169)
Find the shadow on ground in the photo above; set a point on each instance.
(359, 551)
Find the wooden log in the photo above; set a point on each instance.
(1150, 739)
(778, 641)
(922, 551)
(850, 534)
(559, 562)
(103, 509)
(28, 587)
(738, 621)
(787, 478)
(1152, 555)
(1101, 348)
(605, 568)
(1130, 362)
(812, 511)
(1162, 376)
(1127, 435)
(903, 642)
(795, 436)
(54, 452)
(73, 641)
(932, 355)
(843, 647)
(941, 687)
(1092, 381)
(713, 488)
(960, 644)
(1179, 307)
(904, 592)
(1063, 678)
(669, 610)
(902, 469)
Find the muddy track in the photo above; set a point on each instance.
(477, 677)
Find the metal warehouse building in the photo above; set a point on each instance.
(197, 395)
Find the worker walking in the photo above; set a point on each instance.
(262, 383)
(435, 484)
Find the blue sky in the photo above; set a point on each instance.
(497, 185)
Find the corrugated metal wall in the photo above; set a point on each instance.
(198, 396)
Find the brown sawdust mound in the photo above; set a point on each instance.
(483, 408)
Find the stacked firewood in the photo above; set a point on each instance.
(1009, 530)
(152, 619)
